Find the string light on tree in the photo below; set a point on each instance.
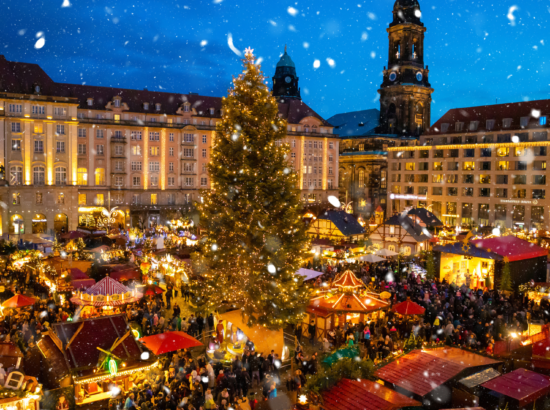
(254, 237)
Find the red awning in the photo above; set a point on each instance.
(513, 248)
(19, 301)
(408, 307)
(169, 342)
(522, 385)
(128, 274)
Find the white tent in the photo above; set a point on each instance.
(386, 252)
(371, 258)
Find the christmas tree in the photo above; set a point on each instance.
(254, 238)
(506, 279)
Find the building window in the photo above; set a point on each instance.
(506, 123)
(38, 146)
(485, 192)
(15, 108)
(171, 166)
(189, 182)
(136, 150)
(154, 166)
(469, 166)
(81, 199)
(190, 138)
(501, 193)
(437, 191)
(16, 198)
(39, 175)
(539, 165)
(39, 198)
(409, 166)
(157, 107)
(542, 120)
(118, 135)
(438, 166)
(99, 200)
(153, 199)
(119, 150)
(502, 179)
(136, 199)
(171, 181)
(539, 194)
(459, 126)
(82, 176)
(468, 191)
(188, 152)
(82, 132)
(204, 181)
(16, 145)
(171, 152)
(136, 181)
(136, 165)
(60, 147)
(60, 129)
(15, 127)
(60, 176)
(60, 199)
(99, 149)
(539, 179)
(154, 151)
(171, 137)
(38, 128)
(16, 175)
(99, 133)
(81, 149)
(119, 181)
(204, 152)
(100, 176)
(503, 165)
(154, 136)
(361, 178)
(119, 165)
(135, 135)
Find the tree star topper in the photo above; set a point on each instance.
(249, 51)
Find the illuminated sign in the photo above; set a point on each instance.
(113, 369)
(519, 201)
(420, 198)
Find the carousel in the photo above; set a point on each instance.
(104, 298)
(347, 300)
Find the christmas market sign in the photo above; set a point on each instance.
(113, 368)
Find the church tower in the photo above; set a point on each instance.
(405, 94)
(285, 81)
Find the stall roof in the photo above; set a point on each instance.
(346, 223)
(462, 357)
(308, 274)
(364, 395)
(419, 372)
(90, 334)
(457, 248)
(513, 248)
(479, 378)
(521, 384)
(57, 366)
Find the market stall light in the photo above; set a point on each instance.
(122, 373)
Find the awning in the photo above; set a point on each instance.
(169, 342)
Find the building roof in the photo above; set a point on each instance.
(479, 378)
(513, 248)
(521, 384)
(496, 112)
(82, 353)
(425, 216)
(286, 61)
(365, 395)
(459, 248)
(355, 123)
(420, 372)
(56, 367)
(346, 223)
(20, 78)
(417, 231)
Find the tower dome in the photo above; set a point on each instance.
(285, 81)
(406, 11)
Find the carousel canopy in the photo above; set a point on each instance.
(107, 292)
(348, 280)
(106, 287)
(348, 303)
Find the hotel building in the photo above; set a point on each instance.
(72, 153)
(478, 166)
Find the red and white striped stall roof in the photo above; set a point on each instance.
(107, 287)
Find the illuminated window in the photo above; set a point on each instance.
(136, 150)
(437, 178)
(100, 176)
(16, 198)
(503, 165)
(16, 175)
(361, 178)
(99, 199)
(503, 152)
(82, 176)
(38, 128)
(438, 166)
(409, 166)
(469, 166)
(81, 199)
(485, 179)
(153, 199)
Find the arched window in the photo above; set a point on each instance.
(60, 176)
(100, 176)
(39, 175)
(16, 175)
(419, 115)
(82, 176)
(361, 178)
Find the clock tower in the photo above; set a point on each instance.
(405, 93)
(285, 81)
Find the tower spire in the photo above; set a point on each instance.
(285, 48)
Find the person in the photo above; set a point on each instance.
(168, 296)
(311, 330)
(129, 404)
(272, 391)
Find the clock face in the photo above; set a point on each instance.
(419, 76)
(288, 79)
(37, 88)
(393, 76)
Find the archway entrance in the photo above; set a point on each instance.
(61, 223)
(17, 226)
(39, 223)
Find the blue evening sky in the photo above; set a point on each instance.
(477, 51)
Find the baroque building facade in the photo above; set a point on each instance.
(72, 153)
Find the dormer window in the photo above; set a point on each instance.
(459, 126)
(145, 106)
(542, 120)
(212, 111)
(117, 103)
(90, 102)
(506, 123)
(157, 106)
(490, 125)
(474, 125)
(444, 128)
(186, 107)
(524, 122)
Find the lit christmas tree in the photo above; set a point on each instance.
(254, 238)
